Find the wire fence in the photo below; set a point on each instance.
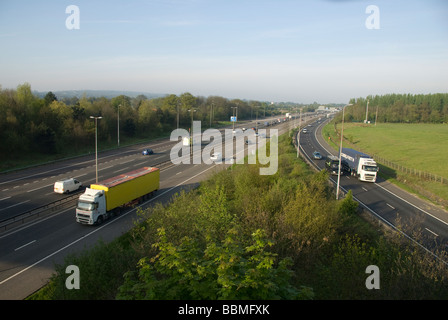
(423, 175)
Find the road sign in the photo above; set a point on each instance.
(233, 119)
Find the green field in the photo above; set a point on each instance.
(420, 147)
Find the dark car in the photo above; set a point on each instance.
(147, 152)
(332, 164)
(317, 155)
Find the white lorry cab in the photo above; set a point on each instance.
(360, 165)
(66, 186)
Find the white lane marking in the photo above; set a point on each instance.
(27, 244)
(432, 232)
(105, 168)
(17, 204)
(429, 214)
(121, 169)
(99, 228)
(390, 206)
(40, 187)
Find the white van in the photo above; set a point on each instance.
(66, 186)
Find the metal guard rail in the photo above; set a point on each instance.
(21, 217)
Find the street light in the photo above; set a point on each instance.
(118, 125)
(340, 151)
(211, 113)
(178, 104)
(298, 134)
(191, 130)
(96, 144)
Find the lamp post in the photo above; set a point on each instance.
(340, 151)
(118, 125)
(367, 112)
(211, 113)
(298, 134)
(178, 105)
(96, 144)
(191, 130)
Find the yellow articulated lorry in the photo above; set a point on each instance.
(107, 198)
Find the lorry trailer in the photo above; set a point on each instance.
(106, 199)
(360, 165)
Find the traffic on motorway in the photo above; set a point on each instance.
(358, 172)
(29, 251)
(48, 239)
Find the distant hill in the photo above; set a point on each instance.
(97, 93)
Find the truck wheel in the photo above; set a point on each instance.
(99, 220)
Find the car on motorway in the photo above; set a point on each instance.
(66, 186)
(317, 155)
(332, 164)
(147, 152)
(216, 156)
(304, 131)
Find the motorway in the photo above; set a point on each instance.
(29, 252)
(398, 209)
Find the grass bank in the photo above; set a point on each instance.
(411, 155)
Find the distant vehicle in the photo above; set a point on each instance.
(66, 186)
(105, 199)
(216, 157)
(317, 155)
(360, 165)
(304, 131)
(147, 152)
(332, 164)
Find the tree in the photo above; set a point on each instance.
(227, 270)
(49, 98)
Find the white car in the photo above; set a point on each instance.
(216, 156)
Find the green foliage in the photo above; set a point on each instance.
(245, 236)
(101, 271)
(64, 127)
(348, 206)
(221, 271)
(406, 108)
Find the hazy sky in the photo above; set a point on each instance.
(274, 50)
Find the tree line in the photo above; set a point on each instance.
(402, 108)
(46, 125)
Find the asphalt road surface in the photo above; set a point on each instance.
(399, 209)
(29, 252)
